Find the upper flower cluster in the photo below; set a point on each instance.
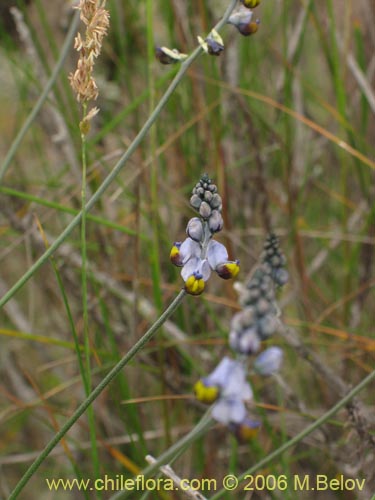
(213, 44)
(199, 254)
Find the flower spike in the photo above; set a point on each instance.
(200, 254)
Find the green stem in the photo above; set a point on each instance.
(95, 393)
(117, 168)
(86, 340)
(299, 437)
(43, 96)
(72, 211)
(87, 381)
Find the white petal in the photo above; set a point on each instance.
(216, 254)
(196, 266)
(189, 249)
(227, 411)
(236, 385)
(221, 373)
(190, 267)
(205, 269)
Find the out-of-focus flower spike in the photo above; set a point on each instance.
(169, 56)
(275, 258)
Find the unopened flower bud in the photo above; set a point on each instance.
(215, 222)
(281, 276)
(195, 229)
(267, 326)
(216, 201)
(195, 201)
(248, 342)
(205, 210)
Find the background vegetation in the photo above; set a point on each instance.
(284, 123)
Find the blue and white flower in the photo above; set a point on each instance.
(199, 254)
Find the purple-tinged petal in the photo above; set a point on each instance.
(216, 254)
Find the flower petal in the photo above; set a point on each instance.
(269, 361)
(189, 249)
(216, 254)
(221, 373)
(227, 411)
(194, 284)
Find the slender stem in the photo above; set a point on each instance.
(72, 211)
(320, 421)
(86, 339)
(43, 96)
(95, 393)
(117, 168)
(87, 381)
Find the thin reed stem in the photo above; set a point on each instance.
(117, 168)
(95, 393)
(174, 451)
(299, 437)
(86, 337)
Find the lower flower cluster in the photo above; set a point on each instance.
(227, 388)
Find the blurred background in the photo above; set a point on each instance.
(283, 122)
